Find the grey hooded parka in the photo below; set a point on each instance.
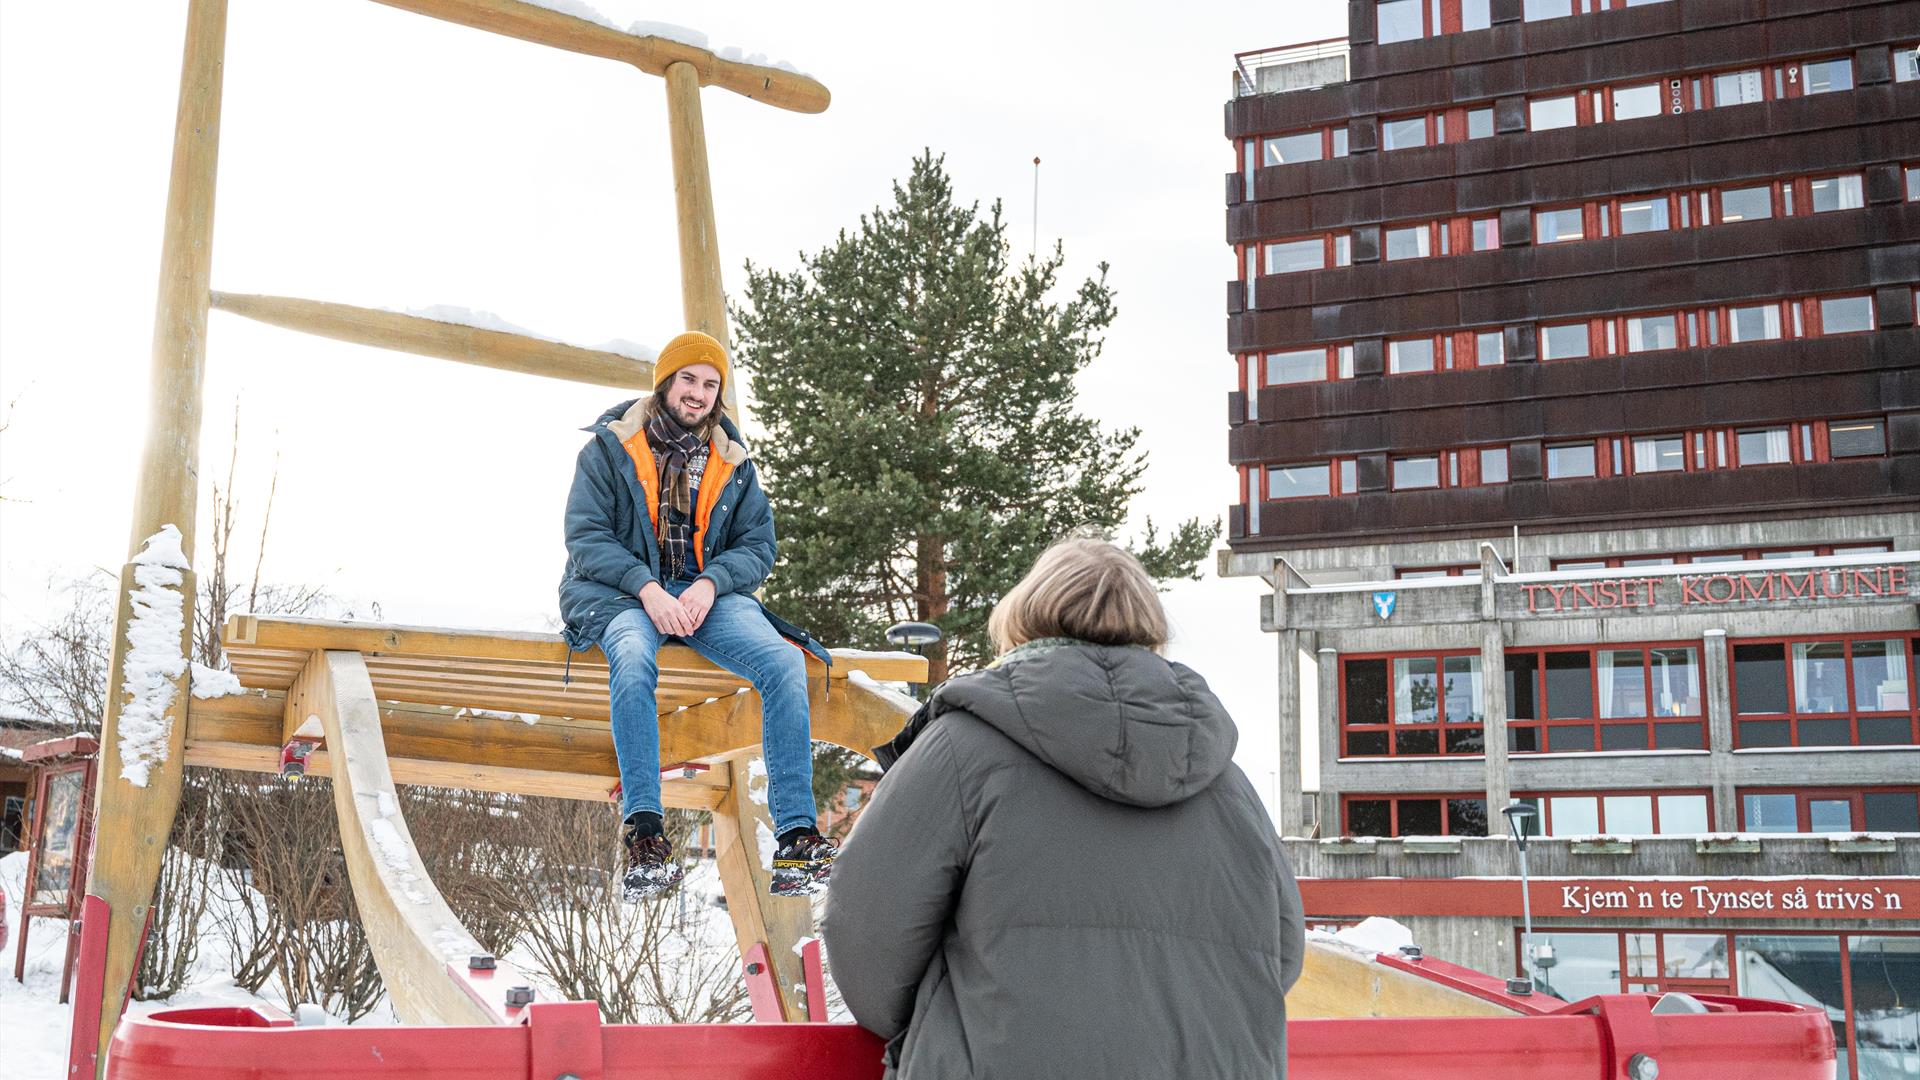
(1065, 875)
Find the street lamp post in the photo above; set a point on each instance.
(917, 636)
(1520, 818)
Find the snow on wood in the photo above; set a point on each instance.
(757, 781)
(487, 320)
(764, 836)
(209, 682)
(893, 692)
(666, 31)
(1370, 937)
(154, 658)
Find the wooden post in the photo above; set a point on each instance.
(132, 821)
(702, 296)
(759, 917)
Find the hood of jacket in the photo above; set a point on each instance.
(625, 420)
(1123, 722)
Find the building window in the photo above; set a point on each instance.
(1856, 438)
(1826, 76)
(1746, 204)
(1416, 472)
(1399, 20)
(1545, 114)
(1535, 10)
(1289, 149)
(1559, 226)
(1568, 341)
(1765, 446)
(1738, 87)
(1660, 453)
(1479, 123)
(1913, 183)
(1403, 133)
(1317, 364)
(1830, 810)
(1846, 314)
(1299, 481)
(1629, 697)
(1415, 815)
(1647, 813)
(1410, 356)
(1493, 465)
(1643, 215)
(1906, 63)
(1410, 242)
(1650, 333)
(1634, 102)
(1836, 193)
(1570, 460)
(1843, 691)
(1758, 323)
(1411, 705)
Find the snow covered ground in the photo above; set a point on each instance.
(34, 1027)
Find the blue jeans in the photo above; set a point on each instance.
(736, 636)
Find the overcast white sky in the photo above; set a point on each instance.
(373, 156)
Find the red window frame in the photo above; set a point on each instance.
(1456, 469)
(1601, 796)
(1393, 802)
(1453, 350)
(1447, 13)
(1544, 725)
(1440, 728)
(1805, 797)
(1688, 92)
(1589, 7)
(1330, 255)
(1853, 714)
(1329, 148)
(1338, 366)
(1706, 327)
(1446, 236)
(1443, 126)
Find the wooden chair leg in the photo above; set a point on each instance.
(742, 831)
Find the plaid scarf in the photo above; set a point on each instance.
(681, 457)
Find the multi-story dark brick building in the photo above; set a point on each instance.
(1541, 306)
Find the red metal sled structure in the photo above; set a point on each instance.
(372, 706)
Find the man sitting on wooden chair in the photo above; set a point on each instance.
(668, 534)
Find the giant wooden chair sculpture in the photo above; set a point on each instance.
(396, 704)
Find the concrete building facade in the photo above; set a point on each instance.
(1578, 434)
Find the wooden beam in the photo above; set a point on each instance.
(741, 830)
(543, 26)
(245, 633)
(444, 340)
(703, 299)
(1338, 983)
(414, 935)
(135, 820)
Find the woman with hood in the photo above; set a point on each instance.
(1063, 873)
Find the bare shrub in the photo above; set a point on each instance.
(644, 963)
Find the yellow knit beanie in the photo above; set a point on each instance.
(692, 347)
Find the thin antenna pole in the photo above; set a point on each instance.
(1036, 208)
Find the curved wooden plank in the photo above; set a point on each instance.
(1340, 983)
(543, 26)
(447, 341)
(413, 934)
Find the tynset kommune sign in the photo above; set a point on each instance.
(1707, 590)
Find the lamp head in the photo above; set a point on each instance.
(1520, 818)
(913, 633)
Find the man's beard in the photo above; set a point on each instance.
(690, 421)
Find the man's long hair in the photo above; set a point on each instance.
(656, 405)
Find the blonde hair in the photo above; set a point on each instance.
(1081, 588)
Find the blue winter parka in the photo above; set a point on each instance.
(612, 552)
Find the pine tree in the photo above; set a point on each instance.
(920, 443)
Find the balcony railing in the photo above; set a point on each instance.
(1290, 67)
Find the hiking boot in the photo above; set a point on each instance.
(802, 865)
(651, 869)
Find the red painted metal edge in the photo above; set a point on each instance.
(565, 1040)
(83, 1043)
(1469, 981)
(494, 988)
(1749, 1040)
(816, 975)
(762, 990)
